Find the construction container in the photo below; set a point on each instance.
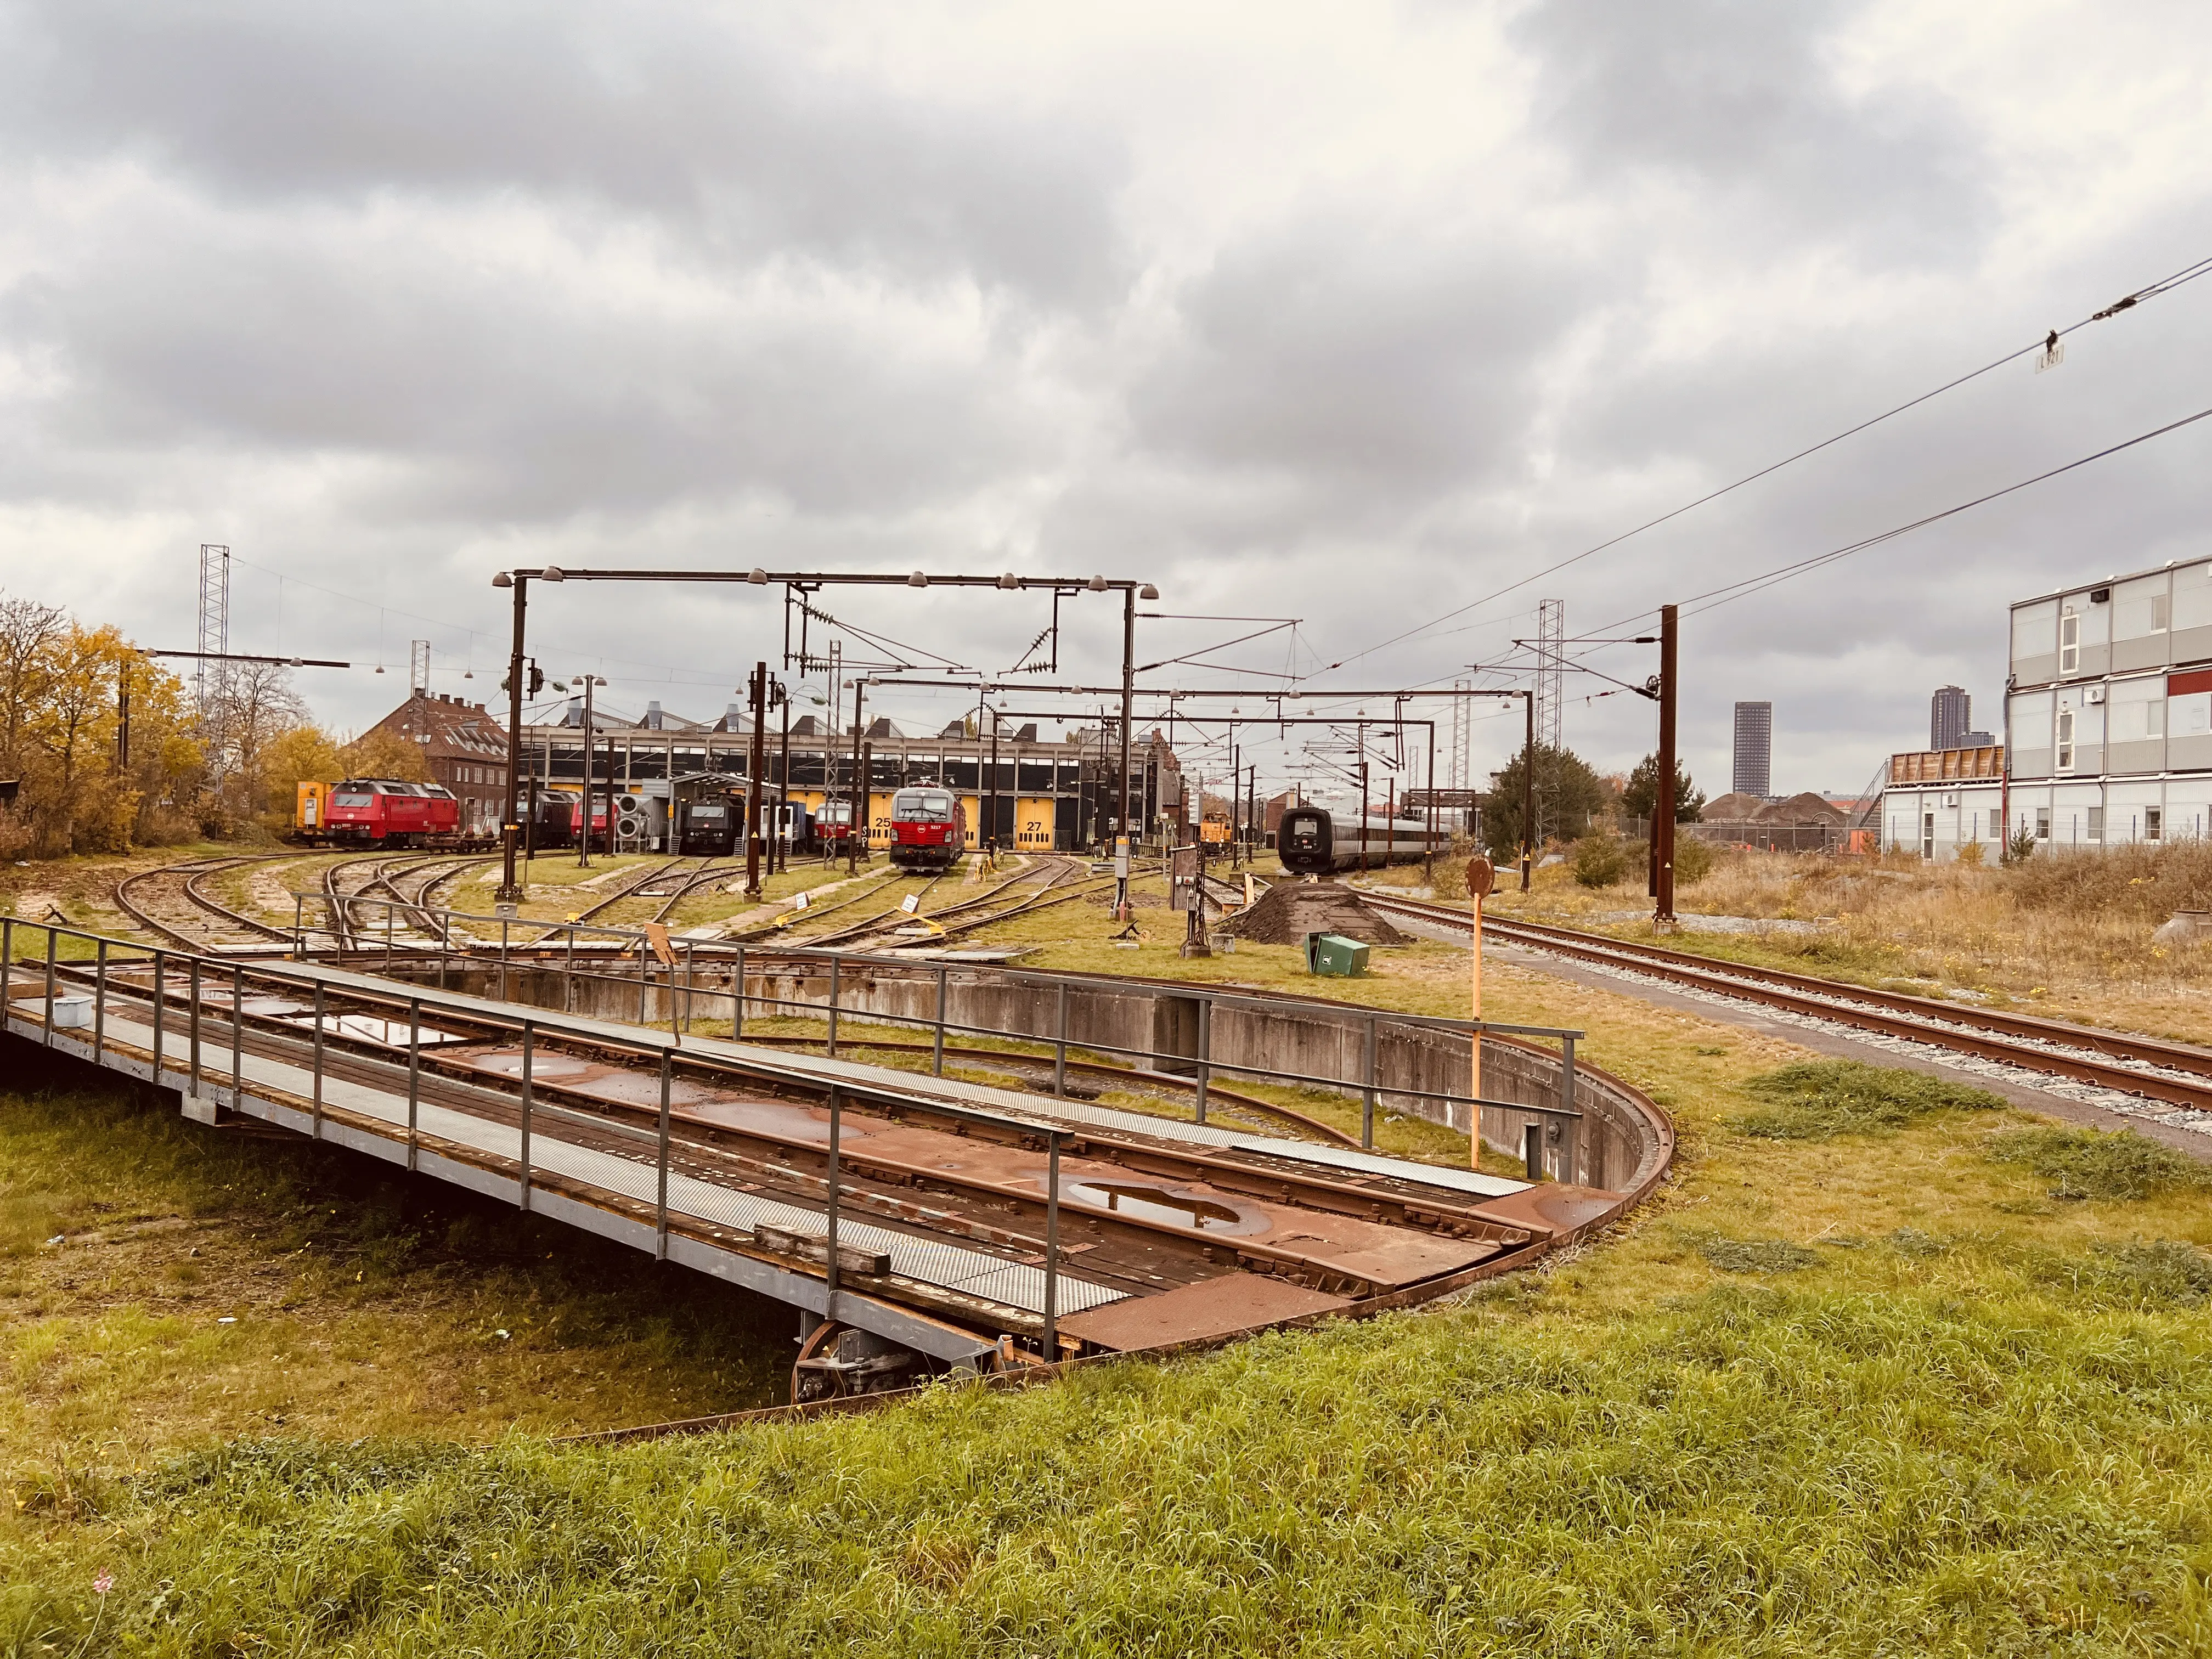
(1335, 956)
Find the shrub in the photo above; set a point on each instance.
(1817, 1099)
(1970, 854)
(2092, 1163)
(1694, 860)
(1599, 860)
(2141, 881)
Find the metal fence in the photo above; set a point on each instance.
(675, 979)
(194, 978)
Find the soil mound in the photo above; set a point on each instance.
(1288, 910)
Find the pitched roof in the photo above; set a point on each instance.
(455, 730)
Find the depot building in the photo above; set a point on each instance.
(1048, 794)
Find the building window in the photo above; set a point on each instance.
(2160, 613)
(1927, 835)
(2043, 824)
(2070, 643)
(2066, 740)
(2096, 823)
(2154, 822)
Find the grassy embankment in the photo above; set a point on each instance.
(2063, 934)
(1883, 1371)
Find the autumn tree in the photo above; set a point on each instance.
(382, 753)
(62, 692)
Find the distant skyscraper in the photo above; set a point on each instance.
(1950, 713)
(1755, 748)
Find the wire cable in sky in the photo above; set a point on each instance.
(2164, 285)
(1713, 598)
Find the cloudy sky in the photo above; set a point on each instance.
(1355, 314)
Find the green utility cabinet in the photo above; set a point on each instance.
(1335, 955)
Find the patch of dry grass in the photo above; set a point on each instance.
(2065, 935)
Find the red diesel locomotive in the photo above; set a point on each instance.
(384, 812)
(929, 830)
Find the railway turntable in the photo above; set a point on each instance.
(920, 1225)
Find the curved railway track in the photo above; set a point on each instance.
(136, 895)
(886, 921)
(2173, 1072)
(781, 924)
(649, 876)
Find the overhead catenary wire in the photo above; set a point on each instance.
(2164, 285)
(1713, 598)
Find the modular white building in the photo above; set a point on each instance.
(2108, 727)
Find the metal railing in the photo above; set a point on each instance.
(197, 1083)
(656, 974)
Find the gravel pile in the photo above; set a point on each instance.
(1290, 910)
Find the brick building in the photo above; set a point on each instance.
(466, 748)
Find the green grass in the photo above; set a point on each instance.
(1871, 1392)
(2099, 1164)
(1814, 1100)
(1744, 1471)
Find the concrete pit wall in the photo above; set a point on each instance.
(1615, 1144)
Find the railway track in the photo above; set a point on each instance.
(888, 921)
(379, 872)
(708, 872)
(780, 926)
(149, 898)
(2173, 1072)
(650, 875)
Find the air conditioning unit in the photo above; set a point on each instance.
(2092, 693)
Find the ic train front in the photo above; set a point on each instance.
(1312, 842)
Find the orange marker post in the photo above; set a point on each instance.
(1481, 877)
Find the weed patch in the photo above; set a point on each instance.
(2146, 1275)
(2091, 1163)
(1755, 1256)
(1819, 1099)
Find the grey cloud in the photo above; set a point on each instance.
(649, 109)
(1361, 354)
(494, 396)
(1737, 95)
